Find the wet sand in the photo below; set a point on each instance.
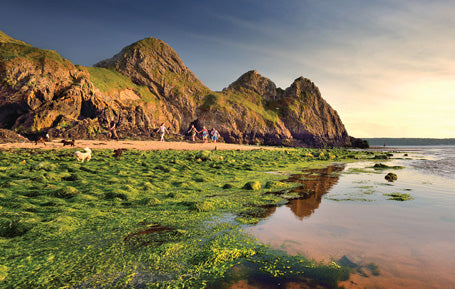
(134, 144)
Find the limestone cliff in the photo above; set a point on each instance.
(38, 88)
(41, 91)
(154, 64)
(306, 118)
(310, 119)
(146, 84)
(256, 83)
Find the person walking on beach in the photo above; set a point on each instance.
(205, 134)
(162, 130)
(215, 135)
(112, 130)
(193, 132)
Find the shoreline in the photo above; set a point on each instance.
(134, 144)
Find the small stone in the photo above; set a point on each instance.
(391, 177)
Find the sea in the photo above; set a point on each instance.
(350, 216)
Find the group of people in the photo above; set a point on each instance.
(214, 134)
(205, 134)
(162, 130)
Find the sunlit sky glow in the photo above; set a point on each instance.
(387, 67)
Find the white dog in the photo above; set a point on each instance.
(81, 156)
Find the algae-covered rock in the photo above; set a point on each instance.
(116, 194)
(14, 227)
(39, 179)
(345, 261)
(275, 185)
(72, 177)
(227, 186)
(254, 186)
(380, 166)
(399, 197)
(65, 193)
(3, 272)
(205, 206)
(149, 201)
(204, 155)
(381, 157)
(391, 177)
(46, 166)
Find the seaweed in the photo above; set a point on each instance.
(148, 218)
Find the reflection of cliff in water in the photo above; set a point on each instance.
(315, 183)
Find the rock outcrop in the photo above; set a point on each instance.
(39, 88)
(41, 91)
(303, 117)
(147, 84)
(256, 83)
(7, 136)
(154, 64)
(310, 119)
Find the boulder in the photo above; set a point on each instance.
(9, 136)
(391, 177)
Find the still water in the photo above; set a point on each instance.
(348, 217)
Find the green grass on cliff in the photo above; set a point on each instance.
(247, 99)
(12, 50)
(109, 81)
(7, 39)
(149, 43)
(255, 103)
(150, 219)
(182, 81)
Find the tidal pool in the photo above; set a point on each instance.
(345, 215)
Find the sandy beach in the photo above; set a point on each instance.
(133, 144)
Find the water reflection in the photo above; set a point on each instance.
(315, 184)
(248, 275)
(395, 244)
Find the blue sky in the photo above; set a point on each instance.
(387, 67)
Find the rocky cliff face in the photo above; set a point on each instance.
(41, 91)
(39, 88)
(146, 84)
(256, 83)
(154, 64)
(309, 117)
(304, 118)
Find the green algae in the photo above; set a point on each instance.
(254, 186)
(399, 197)
(65, 224)
(374, 269)
(381, 166)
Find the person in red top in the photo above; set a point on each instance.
(205, 134)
